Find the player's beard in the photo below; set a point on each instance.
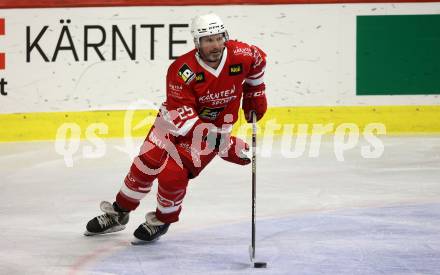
(214, 56)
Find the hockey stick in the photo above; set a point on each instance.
(254, 191)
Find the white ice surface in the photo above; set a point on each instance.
(316, 215)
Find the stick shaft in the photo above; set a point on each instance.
(254, 180)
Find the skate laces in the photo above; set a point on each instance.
(106, 220)
(151, 229)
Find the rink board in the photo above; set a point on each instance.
(311, 73)
(136, 123)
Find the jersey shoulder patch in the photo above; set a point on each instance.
(186, 74)
(183, 68)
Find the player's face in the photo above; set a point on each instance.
(211, 47)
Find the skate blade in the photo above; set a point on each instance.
(137, 241)
(111, 230)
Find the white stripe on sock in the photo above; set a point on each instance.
(133, 194)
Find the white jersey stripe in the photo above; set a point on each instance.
(255, 82)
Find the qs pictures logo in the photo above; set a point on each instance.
(2, 59)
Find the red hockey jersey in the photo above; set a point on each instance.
(198, 93)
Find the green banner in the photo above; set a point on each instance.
(398, 55)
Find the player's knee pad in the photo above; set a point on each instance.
(152, 156)
(136, 177)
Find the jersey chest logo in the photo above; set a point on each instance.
(210, 113)
(235, 69)
(185, 73)
(200, 77)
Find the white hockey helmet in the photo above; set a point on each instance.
(205, 25)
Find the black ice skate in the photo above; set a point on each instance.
(150, 230)
(113, 220)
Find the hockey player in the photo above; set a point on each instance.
(204, 88)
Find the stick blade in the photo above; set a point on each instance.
(260, 265)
